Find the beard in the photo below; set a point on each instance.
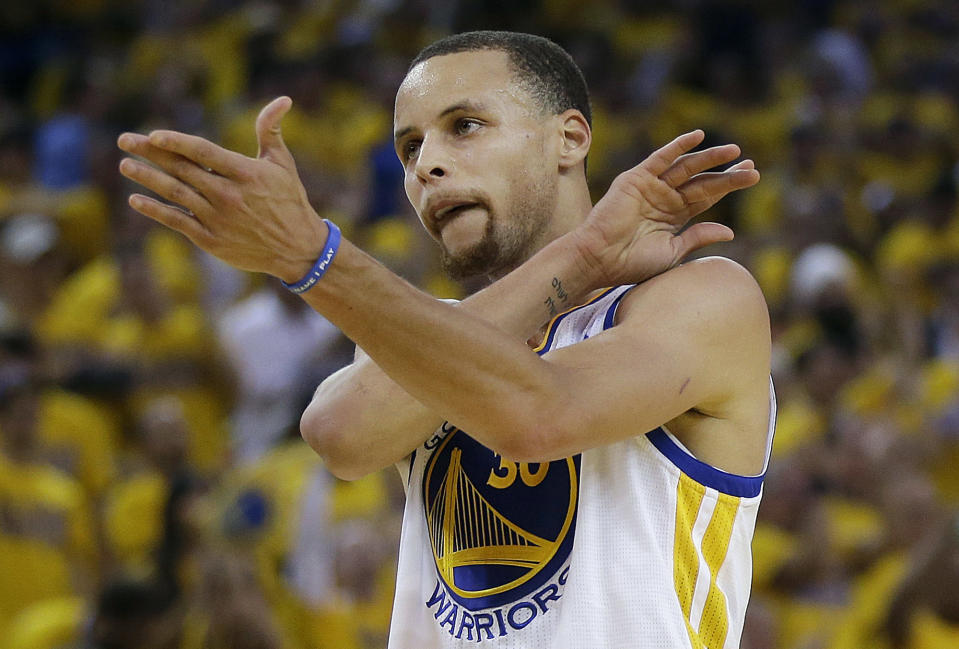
(505, 244)
(500, 250)
(479, 259)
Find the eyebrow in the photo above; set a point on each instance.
(469, 106)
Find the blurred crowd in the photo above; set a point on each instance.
(154, 492)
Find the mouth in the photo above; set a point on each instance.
(451, 211)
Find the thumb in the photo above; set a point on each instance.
(269, 139)
(699, 236)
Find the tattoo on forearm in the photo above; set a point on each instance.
(551, 307)
(560, 291)
(561, 296)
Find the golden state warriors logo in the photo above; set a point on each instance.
(499, 529)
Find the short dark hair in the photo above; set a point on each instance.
(542, 68)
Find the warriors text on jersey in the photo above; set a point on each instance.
(634, 544)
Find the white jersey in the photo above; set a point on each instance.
(634, 544)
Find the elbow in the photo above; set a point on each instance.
(329, 440)
(539, 428)
(532, 440)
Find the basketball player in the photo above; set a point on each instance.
(599, 490)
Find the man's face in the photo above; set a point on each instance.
(481, 168)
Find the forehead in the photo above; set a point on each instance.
(482, 76)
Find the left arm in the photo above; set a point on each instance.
(469, 371)
(695, 337)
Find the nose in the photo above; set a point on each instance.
(432, 161)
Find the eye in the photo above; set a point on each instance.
(410, 149)
(465, 126)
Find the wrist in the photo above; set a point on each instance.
(298, 280)
(298, 259)
(586, 248)
(564, 277)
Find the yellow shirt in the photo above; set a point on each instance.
(46, 536)
(79, 437)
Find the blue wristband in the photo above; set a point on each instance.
(322, 263)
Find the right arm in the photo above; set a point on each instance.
(254, 214)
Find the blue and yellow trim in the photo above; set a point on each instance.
(611, 311)
(553, 325)
(727, 483)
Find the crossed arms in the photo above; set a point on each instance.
(691, 345)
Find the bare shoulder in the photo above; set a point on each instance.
(710, 317)
(720, 269)
(715, 296)
(711, 312)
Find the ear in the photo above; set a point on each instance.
(576, 138)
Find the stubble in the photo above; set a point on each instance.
(507, 243)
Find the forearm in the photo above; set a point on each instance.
(444, 347)
(471, 369)
(552, 281)
(360, 420)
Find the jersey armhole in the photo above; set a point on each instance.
(706, 474)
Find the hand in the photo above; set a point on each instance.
(252, 213)
(633, 232)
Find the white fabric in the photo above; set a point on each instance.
(311, 559)
(614, 586)
(270, 346)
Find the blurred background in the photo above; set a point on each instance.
(154, 492)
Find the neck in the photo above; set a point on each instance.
(573, 204)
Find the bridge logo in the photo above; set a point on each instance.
(498, 529)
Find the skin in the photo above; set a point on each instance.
(691, 345)
(513, 214)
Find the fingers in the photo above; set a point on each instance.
(268, 135)
(661, 159)
(170, 216)
(686, 172)
(164, 185)
(174, 164)
(699, 236)
(712, 186)
(202, 152)
(687, 166)
(209, 156)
